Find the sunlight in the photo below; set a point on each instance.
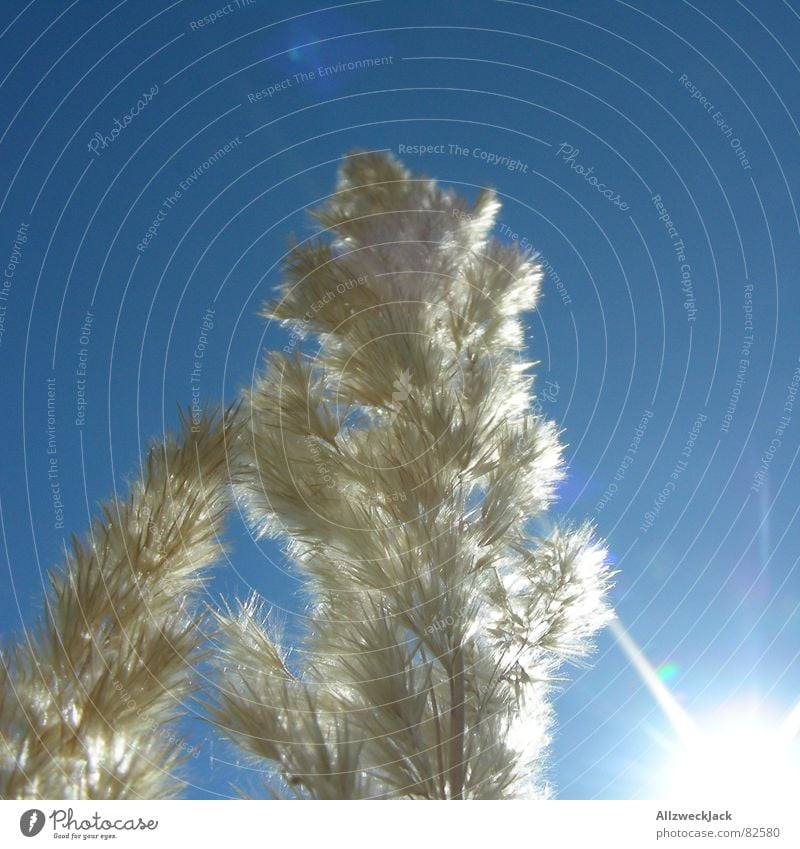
(742, 760)
(737, 755)
(681, 721)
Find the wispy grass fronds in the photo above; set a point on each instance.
(88, 697)
(402, 462)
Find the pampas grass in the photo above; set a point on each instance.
(89, 696)
(397, 455)
(401, 462)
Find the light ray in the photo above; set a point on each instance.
(681, 721)
(739, 754)
(790, 728)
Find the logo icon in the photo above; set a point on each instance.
(31, 822)
(402, 393)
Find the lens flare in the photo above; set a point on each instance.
(738, 755)
(739, 760)
(668, 672)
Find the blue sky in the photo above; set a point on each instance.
(650, 156)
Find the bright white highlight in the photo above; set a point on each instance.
(741, 760)
(681, 721)
(791, 726)
(734, 756)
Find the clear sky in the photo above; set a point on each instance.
(647, 150)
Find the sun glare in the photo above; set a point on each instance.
(735, 756)
(737, 761)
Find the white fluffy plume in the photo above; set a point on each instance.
(398, 454)
(88, 698)
(402, 462)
